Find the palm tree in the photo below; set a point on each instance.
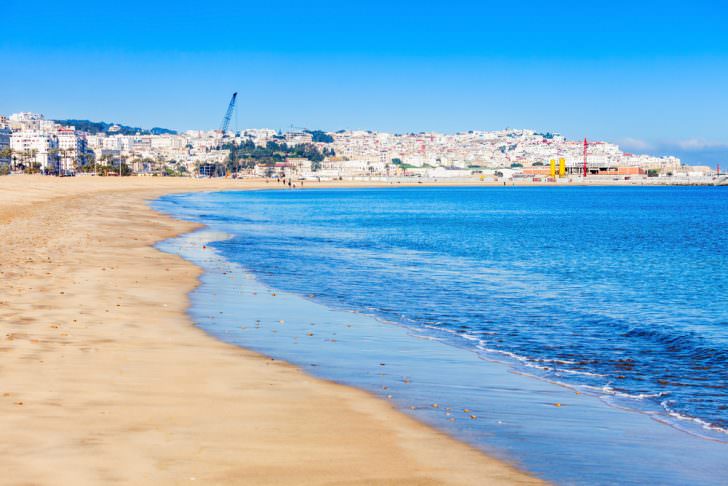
(68, 159)
(75, 160)
(137, 164)
(104, 160)
(122, 164)
(62, 160)
(91, 157)
(159, 164)
(24, 159)
(83, 163)
(59, 156)
(53, 154)
(33, 162)
(7, 153)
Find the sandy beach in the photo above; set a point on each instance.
(104, 378)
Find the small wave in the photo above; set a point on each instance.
(685, 343)
(554, 367)
(558, 361)
(687, 418)
(577, 372)
(632, 396)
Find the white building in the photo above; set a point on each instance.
(167, 142)
(442, 172)
(26, 121)
(34, 147)
(296, 138)
(71, 148)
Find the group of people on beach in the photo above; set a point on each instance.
(289, 182)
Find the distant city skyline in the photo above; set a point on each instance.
(650, 77)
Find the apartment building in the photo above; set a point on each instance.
(32, 148)
(71, 148)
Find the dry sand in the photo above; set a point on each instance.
(104, 378)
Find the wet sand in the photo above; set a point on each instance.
(104, 378)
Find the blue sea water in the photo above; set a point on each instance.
(618, 292)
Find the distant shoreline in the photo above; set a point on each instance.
(594, 181)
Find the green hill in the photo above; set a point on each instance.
(103, 127)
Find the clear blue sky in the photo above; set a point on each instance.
(650, 75)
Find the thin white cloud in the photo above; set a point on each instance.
(697, 144)
(689, 144)
(635, 144)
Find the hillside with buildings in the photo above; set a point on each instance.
(31, 143)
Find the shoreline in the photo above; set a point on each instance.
(519, 406)
(97, 369)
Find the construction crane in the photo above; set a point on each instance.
(226, 121)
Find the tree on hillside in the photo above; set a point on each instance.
(320, 136)
(7, 153)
